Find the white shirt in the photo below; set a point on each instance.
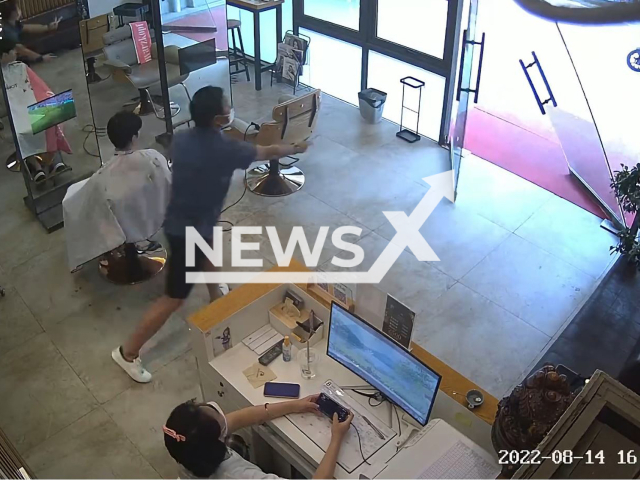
(234, 467)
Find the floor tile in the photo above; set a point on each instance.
(17, 324)
(92, 447)
(39, 393)
(249, 203)
(343, 124)
(478, 338)
(412, 160)
(571, 234)
(142, 410)
(365, 198)
(530, 283)
(426, 285)
(460, 237)
(498, 195)
(26, 241)
(299, 210)
(52, 293)
(87, 337)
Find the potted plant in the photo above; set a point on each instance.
(626, 186)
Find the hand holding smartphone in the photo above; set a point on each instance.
(328, 407)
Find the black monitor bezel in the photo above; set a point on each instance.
(54, 96)
(396, 345)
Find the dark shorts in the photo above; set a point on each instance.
(176, 285)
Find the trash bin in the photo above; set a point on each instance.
(372, 104)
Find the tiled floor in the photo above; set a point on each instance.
(515, 263)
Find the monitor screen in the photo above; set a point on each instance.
(198, 56)
(52, 111)
(368, 353)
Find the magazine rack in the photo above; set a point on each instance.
(278, 70)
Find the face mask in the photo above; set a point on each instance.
(227, 119)
(224, 431)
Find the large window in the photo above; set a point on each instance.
(374, 43)
(385, 74)
(341, 12)
(417, 24)
(334, 66)
(268, 43)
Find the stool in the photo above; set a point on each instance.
(235, 58)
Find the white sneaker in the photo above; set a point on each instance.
(224, 289)
(134, 369)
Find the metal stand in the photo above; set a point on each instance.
(269, 180)
(277, 71)
(406, 134)
(92, 75)
(129, 266)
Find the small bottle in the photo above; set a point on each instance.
(286, 350)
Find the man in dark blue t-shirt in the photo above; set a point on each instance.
(204, 160)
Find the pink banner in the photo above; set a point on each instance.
(142, 41)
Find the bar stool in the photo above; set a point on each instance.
(236, 59)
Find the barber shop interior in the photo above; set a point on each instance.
(319, 239)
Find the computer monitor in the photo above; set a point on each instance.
(52, 111)
(367, 352)
(198, 56)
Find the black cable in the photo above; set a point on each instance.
(368, 395)
(89, 129)
(398, 417)
(380, 402)
(360, 443)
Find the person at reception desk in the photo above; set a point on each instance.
(195, 436)
(13, 28)
(204, 160)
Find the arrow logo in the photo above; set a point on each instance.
(407, 235)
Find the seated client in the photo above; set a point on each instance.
(123, 202)
(196, 436)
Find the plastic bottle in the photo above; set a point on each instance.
(286, 350)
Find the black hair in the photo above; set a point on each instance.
(206, 105)
(122, 127)
(7, 8)
(201, 452)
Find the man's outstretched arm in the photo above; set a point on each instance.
(274, 152)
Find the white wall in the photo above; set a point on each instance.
(100, 7)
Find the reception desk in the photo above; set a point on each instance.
(221, 363)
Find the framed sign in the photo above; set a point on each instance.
(398, 322)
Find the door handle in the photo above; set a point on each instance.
(551, 98)
(476, 90)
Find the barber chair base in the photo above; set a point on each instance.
(270, 180)
(130, 266)
(13, 165)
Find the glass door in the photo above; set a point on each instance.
(468, 87)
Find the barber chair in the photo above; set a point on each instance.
(112, 215)
(121, 58)
(293, 120)
(92, 32)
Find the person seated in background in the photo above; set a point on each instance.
(196, 437)
(13, 28)
(41, 150)
(124, 202)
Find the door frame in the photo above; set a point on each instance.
(366, 38)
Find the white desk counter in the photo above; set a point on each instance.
(245, 310)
